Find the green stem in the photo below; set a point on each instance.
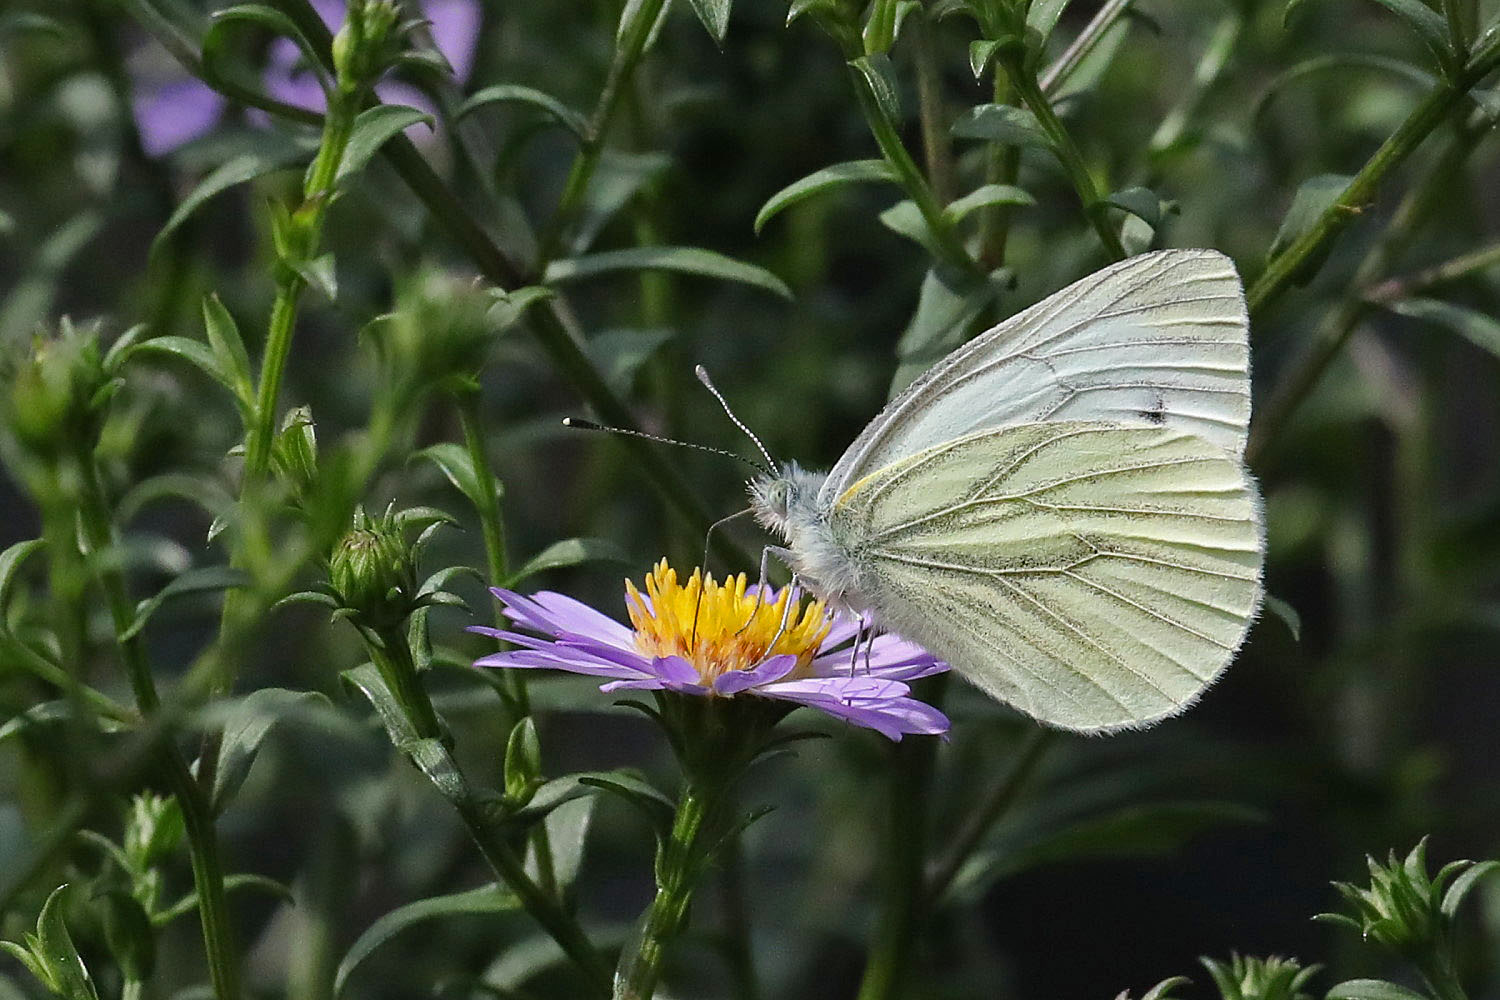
(1433, 109)
(1088, 39)
(35, 663)
(937, 151)
(629, 49)
(992, 806)
(1068, 154)
(678, 868)
(392, 656)
(1305, 371)
(1003, 167)
(949, 248)
(203, 850)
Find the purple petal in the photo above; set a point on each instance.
(552, 661)
(645, 684)
(174, 113)
(677, 672)
(887, 656)
(557, 613)
(773, 669)
(455, 32)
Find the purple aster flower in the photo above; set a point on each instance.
(172, 108)
(717, 640)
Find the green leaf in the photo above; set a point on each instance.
(567, 833)
(1313, 196)
(1461, 886)
(511, 93)
(1042, 17)
(49, 712)
(714, 14)
(569, 552)
(485, 899)
(1156, 829)
(232, 883)
(906, 219)
(656, 807)
(194, 581)
(239, 170)
(1143, 203)
(1002, 123)
(1372, 989)
(321, 274)
(70, 978)
(947, 306)
(1287, 614)
(374, 128)
(883, 26)
(632, 14)
(880, 78)
(838, 175)
(984, 197)
(128, 932)
(428, 754)
(1479, 329)
(249, 721)
(619, 354)
(456, 465)
(1342, 60)
(10, 563)
(1429, 25)
(981, 54)
(618, 178)
(195, 352)
(523, 759)
(229, 348)
(686, 260)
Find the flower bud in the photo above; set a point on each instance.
(367, 43)
(55, 391)
(438, 336)
(373, 571)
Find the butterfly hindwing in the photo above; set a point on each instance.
(1094, 575)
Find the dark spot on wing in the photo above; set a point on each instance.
(1158, 412)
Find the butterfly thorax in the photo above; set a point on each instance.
(787, 504)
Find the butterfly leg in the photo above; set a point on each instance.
(859, 633)
(760, 588)
(707, 541)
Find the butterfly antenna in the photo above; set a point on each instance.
(702, 374)
(578, 423)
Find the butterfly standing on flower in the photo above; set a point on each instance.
(1060, 508)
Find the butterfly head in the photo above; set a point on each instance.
(785, 501)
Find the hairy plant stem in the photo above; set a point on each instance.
(937, 151)
(993, 804)
(203, 849)
(629, 49)
(393, 658)
(677, 869)
(1068, 154)
(1430, 112)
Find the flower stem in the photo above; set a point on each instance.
(678, 866)
(628, 51)
(991, 807)
(1433, 109)
(888, 969)
(1003, 167)
(1068, 154)
(203, 851)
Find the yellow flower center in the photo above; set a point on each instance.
(719, 627)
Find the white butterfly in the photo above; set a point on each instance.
(1060, 508)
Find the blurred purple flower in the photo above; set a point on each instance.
(709, 639)
(172, 108)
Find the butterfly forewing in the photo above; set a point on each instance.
(1159, 339)
(1093, 575)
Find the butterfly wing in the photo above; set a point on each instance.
(1157, 339)
(1095, 576)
